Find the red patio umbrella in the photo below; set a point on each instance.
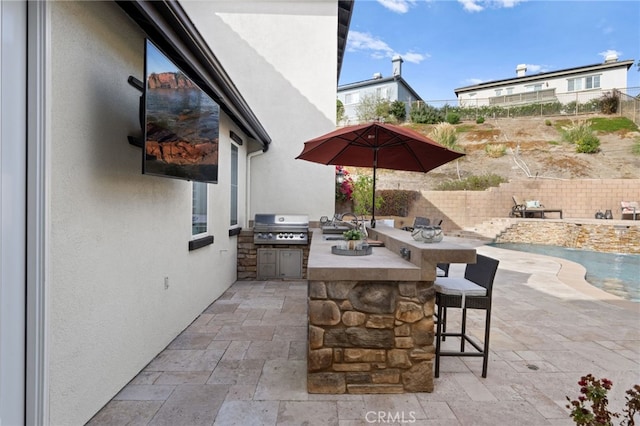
(378, 145)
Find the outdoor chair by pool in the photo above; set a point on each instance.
(630, 208)
(474, 291)
(531, 209)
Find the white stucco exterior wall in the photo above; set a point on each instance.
(282, 57)
(116, 234)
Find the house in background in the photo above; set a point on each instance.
(101, 264)
(392, 88)
(579, 84)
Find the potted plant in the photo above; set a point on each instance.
(354, 238)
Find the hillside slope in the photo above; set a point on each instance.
(532, 148)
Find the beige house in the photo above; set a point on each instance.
(101, 267)
(579, 84)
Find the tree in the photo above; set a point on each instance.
(339, 111)
(372, 107)
(398, 109)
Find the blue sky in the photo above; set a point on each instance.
(448, 44)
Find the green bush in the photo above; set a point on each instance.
(547, 122)
(495, 150)
(339, 111)
(398, 110)
(363, 194)
(480, 120)
(582, 136)
(609, 102)
(425, 114)
(635, 148)
(453, 118)
(472, 183)
(445, 134)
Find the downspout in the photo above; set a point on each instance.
(247, 201)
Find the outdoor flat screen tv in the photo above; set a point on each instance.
(181, 123)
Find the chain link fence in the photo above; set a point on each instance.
(539, 104)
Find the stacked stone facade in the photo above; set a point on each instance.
(370, 337)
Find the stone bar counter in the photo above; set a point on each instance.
(371, 318)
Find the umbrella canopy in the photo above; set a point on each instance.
(377, 145)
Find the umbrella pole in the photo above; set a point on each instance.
(373, 201)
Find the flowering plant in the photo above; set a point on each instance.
(594, 391)
(344, 189)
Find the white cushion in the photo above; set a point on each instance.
(440, 272)
(456, 286)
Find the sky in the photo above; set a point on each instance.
(449, 44)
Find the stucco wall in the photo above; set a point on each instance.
(114, 234)
(282, 57)
(578, 198)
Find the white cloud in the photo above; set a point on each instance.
(472, 81)
(398, 6)
(379, 49)
(480, 5)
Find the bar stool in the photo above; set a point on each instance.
(471, 292)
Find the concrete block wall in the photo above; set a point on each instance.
(578, 198)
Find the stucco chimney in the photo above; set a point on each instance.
(521, 70)
(397, 65)
(611, 57)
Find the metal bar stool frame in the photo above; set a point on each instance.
(481, 273)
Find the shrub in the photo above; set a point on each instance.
(398, 110)
(453, 118)
(363, 195)
(339, 111)
(495, 150)
(635, 148)
(472, 183)
(582, 136)
(425, 114)
(445, 134)
(480, 120)
(609, 102)
(397, 202)
(547, 122)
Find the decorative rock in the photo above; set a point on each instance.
(390, 376)
(426, 291)
(419, 378)
(422, 332)
(317, 290)
(326, 383)
(351, 367)
(407, 289)
(380, 321)
(316, 335)
(336, 337)
(409, 312)
(364, 355)
(423, 354)
(345, 305)
(378, 389)
(339, 289)
(372, 297)
(323, 312)
(370, 338)
(358, 378)
(319, 359)
(398, 358)
(353, 318)
(403, 330)
(404, 342)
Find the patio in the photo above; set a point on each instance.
(243, 360)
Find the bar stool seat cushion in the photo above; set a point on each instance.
(458, 286)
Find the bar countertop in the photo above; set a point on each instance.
(385, 263)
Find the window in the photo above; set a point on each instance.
(352, 98)
(234, 186)
(592, 82)
(574, 84)
(509, 90)
(199, 209)
(382, 92)
(533, 87)
(498, 92)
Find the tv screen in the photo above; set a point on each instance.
(181, 128)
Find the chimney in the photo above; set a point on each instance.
(521, 70)
(610, 58)
(397, 65)
(377, 76)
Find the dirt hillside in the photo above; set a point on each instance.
(532, 146)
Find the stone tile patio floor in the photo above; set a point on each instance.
(243, 360)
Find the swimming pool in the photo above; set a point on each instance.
(615, 273)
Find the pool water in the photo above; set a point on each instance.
(615, 273)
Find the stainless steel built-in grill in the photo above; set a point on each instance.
(281, 229)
